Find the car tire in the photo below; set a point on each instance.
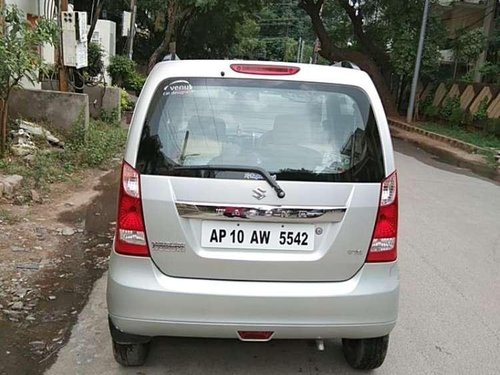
(130, 354)
(365, 354)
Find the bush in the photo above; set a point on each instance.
(492, 126)
(428, 110)
(491, 72)
(125, 102)
(431, 112)
(110, 117)
(482, 111)
(124, 74)
(95, 60)
(95, 145)
(451, 112)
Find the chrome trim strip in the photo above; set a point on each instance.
(282, 214)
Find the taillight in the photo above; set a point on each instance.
(130, 230)
(383, 247)
(272, 70)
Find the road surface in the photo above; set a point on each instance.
(449, 251)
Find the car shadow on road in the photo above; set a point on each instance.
(211, 356)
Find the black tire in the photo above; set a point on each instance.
(365, 354)
(130, 354)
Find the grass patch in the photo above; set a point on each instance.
(489, 156)
(476, 138)
(8, 218)
(93, 147)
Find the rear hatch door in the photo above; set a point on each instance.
(318, 141)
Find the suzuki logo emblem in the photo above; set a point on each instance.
(259, 193)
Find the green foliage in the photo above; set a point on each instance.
(397, 24)
(473, 137)
(427, 109)
(8, 217)
(492, 126)
(452, 113)
(125, 102)
(95, 60)
(98, 144)
(218, 29)
(468, 77)
(85, 148)
(468, 45)
(281, 24)
(491, 72)
(110, 117)
(123, 72)
(248, 45)
(482, 111)
(45, 170)
(19, 55)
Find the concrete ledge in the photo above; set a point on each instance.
(105, 99)
(447, 152)
(62, 110)
(439, 137)
(101, 98)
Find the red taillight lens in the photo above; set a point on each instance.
(271, 70)
(383, 247)
(130, 231)
(255, 335)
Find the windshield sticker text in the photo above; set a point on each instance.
(180, 87)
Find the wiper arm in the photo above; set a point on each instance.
(182, 158)
(236, 168)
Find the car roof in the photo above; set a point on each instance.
(307, 72)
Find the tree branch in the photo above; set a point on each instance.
(95, 18)
(366, 42)
(333, 53)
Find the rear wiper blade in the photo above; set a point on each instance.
(236, 168)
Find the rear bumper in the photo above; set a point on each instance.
(143, 301)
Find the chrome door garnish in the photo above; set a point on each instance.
(209, 211)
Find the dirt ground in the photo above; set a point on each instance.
(50, 256)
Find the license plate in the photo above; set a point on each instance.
(266, 236)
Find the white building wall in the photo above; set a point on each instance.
(39, 8)
(105, 35)
(27, 6)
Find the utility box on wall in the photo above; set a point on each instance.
(74, 33)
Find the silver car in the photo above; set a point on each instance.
(257, 201)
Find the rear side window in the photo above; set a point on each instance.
(296, 131)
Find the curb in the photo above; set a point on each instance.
(438, 137)
(450, 150)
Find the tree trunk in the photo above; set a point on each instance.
(332, 53)
(3, 126)
(169, 32)
(95, 18)
(378, 55)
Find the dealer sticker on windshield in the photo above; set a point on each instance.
(265, 236)
(180, 87)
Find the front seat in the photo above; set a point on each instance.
(284, 146)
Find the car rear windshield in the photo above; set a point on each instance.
(294, 130)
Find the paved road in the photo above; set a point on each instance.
(450, 296)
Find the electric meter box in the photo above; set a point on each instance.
(74, 38)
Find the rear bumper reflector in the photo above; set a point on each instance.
(255, 335)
